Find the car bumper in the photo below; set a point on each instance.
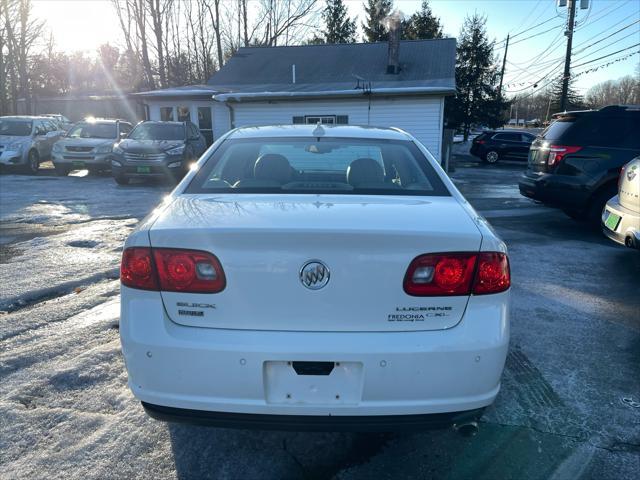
(171, 166)
(312, 423)
(556, 190)
(12, 157)
(247, 372)
(82, 160)
(627, 230)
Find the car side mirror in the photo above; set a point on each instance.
(123, 134)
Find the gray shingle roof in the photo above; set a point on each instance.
(426, 65)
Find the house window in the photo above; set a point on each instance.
(323, 119)
(166, 114)
(183, 114)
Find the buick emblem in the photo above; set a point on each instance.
(631, 173)
(314, 274)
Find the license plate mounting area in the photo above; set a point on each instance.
(312, 383)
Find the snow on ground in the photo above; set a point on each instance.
(66, 411)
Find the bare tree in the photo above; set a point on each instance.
(22, 31)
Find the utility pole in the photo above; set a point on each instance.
(567, 60)
(504, 61)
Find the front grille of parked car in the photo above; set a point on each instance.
(143, 157)
(70, 148)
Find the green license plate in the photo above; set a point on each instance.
(143, 170)
(78, 164)
(612, 221)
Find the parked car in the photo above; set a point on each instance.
(286, 283)
(157, 149)
(621, 214)
(27, 141)
(63, 122)
(575, 163)
(494, 145)
(89, 144)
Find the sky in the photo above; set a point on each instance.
(85, 24)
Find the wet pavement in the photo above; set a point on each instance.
(569, 405)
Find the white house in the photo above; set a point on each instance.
(401, 84)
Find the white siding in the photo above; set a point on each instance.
(421, 116)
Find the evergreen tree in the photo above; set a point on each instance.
(422, 25)
(339, 28)
(574, 99)
(477, 100)
(377, 12)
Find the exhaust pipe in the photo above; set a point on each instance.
(468, 429)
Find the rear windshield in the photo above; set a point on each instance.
(18, 128)
(93, 130)
(557, 128)
(318, 165)
(158, 131)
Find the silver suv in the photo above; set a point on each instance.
(26, 141)
(89, 144)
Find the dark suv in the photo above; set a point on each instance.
(575, 163)
(493, 145)
(157, 149)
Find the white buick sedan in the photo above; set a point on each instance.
(315, 278)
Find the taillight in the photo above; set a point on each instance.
(447, 274)
(136, 269)
(621, 176)
(492, 273)
(171, 270)
(479, 142)
(558, 152)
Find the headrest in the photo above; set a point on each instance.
(272, 166)
(364, 171)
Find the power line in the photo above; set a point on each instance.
(604, 13)
(537, 34)
(606, 56)
(526, 30)
(607, 45)
(608, 28)
(608, 36)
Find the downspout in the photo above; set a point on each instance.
(232, 115)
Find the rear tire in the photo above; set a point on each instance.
(33, 163)
(597, 203)
(61, 170)
(578, 215)
(491, 157)
(121, 179)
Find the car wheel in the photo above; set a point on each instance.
(33, 163)
(491, 156)
(597, 203)
(578, 215)
(121, 179)
(61, 170)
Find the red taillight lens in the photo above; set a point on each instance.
(188, 271)
(558, 152)
(480, 142)
(171, 270)
(136, 269)
(440, 274)
(447, 274)
(492, 274)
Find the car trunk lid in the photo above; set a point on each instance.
(366, 243)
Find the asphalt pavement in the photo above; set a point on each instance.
(569, 405)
